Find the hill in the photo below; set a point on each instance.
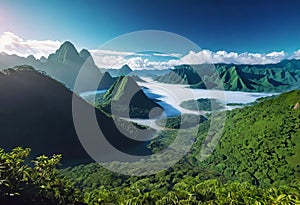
(256, 161)
(127, 99)
(106, 81)
(124, 70)
(252, 78)
(261, 143)
(36, 112)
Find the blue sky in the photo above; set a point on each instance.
(240, 26)
(237, 26)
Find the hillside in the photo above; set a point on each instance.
(36, 112)
(126, 99)
(261, 143)
(106, 81)
(252, 78)
(255, 162)
(124, 70)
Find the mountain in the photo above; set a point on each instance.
(106, 81)
(126, 99)
(9, 61)
(150, 73)
(261, 143)
(63, 65)
(256, 78)
(43, 59)
(180, 75)
(124, 70)
(36, 112)
(66, 54)
(137, 78)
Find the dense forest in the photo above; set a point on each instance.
(256, 162)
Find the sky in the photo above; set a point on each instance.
(229, 31)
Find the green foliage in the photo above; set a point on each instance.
(261, 143)
(126, 99)
(202, 104)
(40, 184)
(259, 78)
(182, 121)
(180, 185)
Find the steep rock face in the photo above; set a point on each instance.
(66, 54)
(36, 112)
(65, 64)
(125, 98)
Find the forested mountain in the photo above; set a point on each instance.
(260, 78)
(255, 162)
(126, 99)
(36, 112)
(261, 143)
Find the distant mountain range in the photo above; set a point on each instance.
(259, 78)
(141, 73)
(64, 66)
(36, 112)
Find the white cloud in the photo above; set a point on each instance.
(113, 59)
(176, 55)
(13, 44)
(207, 56)
(109, 58)
(296, 54)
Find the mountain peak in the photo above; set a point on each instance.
(126, 97)
(31, 57)
(85, 54)
(43, 59)
(125, 70)
(67, 44)
(66, 53)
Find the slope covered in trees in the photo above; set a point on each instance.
(36, 112)
(255, 162)
(126, 99)
(259, 78)
(261, 143)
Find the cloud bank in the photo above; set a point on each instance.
(10, 43)
(207, 56)
(13, 44)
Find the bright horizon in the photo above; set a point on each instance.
(247, 32)
(11, 43)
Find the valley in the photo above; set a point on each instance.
(243, 138)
